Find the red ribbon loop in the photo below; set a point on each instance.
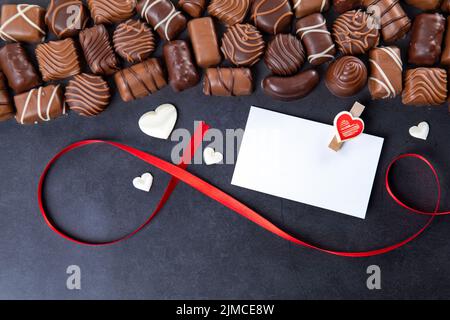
(179, 173)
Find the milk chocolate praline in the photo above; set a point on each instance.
(65, 18)
(346, 76)
(353, 33)
(243, 45)
(272, 16)
(284, 55)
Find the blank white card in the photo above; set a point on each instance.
(288, 157)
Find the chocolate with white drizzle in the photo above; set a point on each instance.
(313, 32)
(40, 105)
(385, 81)
(22, 23)
(163, 17)
(304, 8)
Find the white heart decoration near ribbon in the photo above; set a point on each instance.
(144, 182)
(159, 123)
(211, 156)
(421, 131)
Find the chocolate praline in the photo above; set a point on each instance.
(346, 76)
(65, 18)
(284, 55)
(133, 41)
(354, 34)
(272, 16)
(243, 45)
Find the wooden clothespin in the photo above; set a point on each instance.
(348, 126)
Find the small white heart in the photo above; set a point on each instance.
(159, 123)
(211, 156)
(144, 182)
(421, 131)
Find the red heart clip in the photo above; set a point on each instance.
(347, 126)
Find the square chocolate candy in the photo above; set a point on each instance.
(22, 23)
(58, 59)
(40, 105)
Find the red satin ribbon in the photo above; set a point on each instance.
(179, 173)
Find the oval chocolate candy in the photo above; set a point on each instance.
(291, 88)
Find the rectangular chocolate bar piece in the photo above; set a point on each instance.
(6, 106)
(98, 51)
(40, 105)
(386, 80)
(58, 59)
(18, 69)
(426, 39)
(163, 17)
(394, 21)
(227, 82)
(313, 32)
(22, 23)
(204, 42)
(180, 67)
(140, 80)
(425, 87)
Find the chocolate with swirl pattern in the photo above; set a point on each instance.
(140, 80)
(88, 95)
(58, 59)
(243, 45)
(394, 21)
(353, 34)
(226, 82)
(98, 51)
(111, 11)
(272, 16)
(284, 55)
(133, 41)
(163, 17)
(425, 87)
(194, 8)
(346, 76)
(229, 12)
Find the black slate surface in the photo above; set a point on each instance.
(196, 248)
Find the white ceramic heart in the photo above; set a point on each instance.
(159, 123)
(420, 131)
(211, 156)
(144, 182)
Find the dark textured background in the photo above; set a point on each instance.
(196, 248)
